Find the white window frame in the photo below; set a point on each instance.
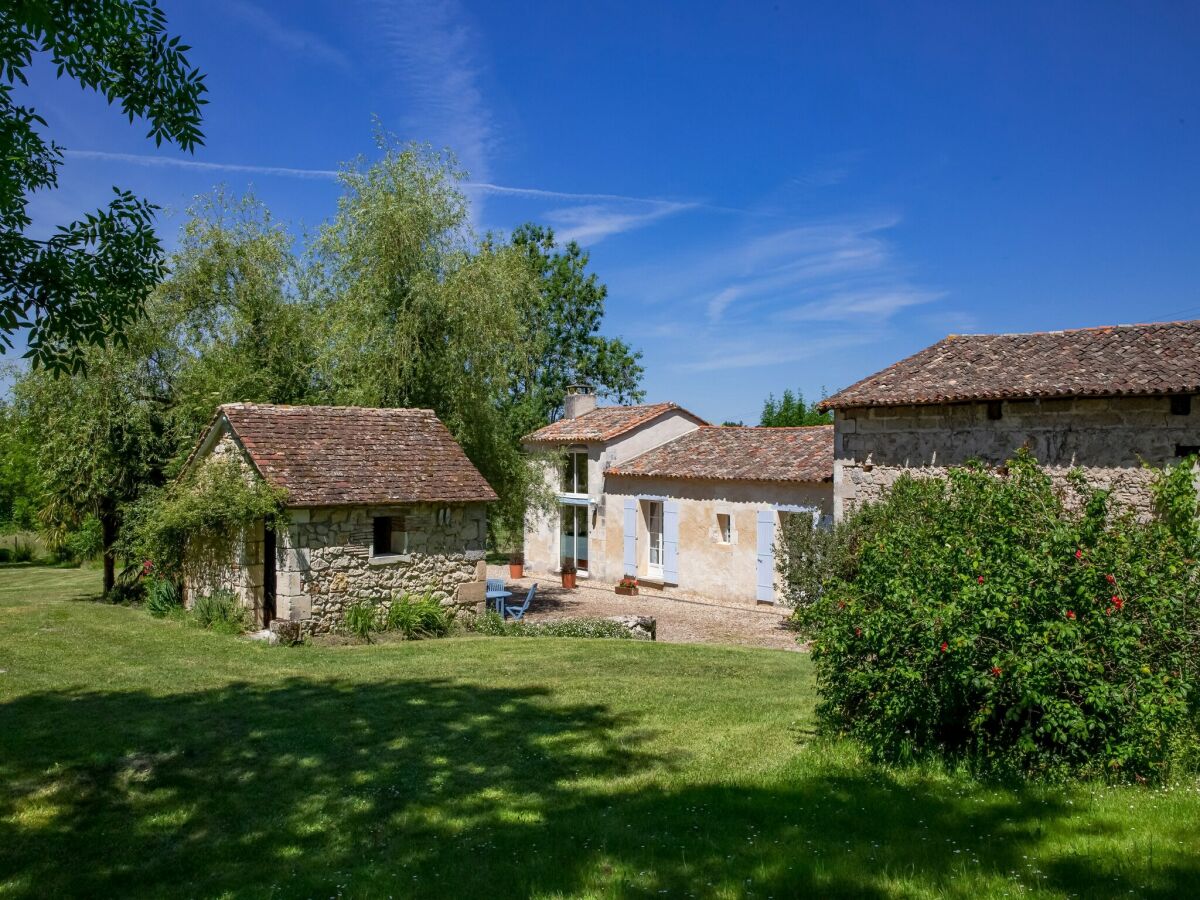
(653, 570)
(572, 468)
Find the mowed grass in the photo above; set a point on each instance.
(143, 758)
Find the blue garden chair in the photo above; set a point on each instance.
(519, 611)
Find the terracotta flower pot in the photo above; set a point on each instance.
(516, 570)
(568, 579)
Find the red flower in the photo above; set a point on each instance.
(146, 567)
(1118, 602)
(1079, 554)
(1070, 614)
(1111, 579)
(996, 670)
(858, 632)
(945, 647)
(981, 579)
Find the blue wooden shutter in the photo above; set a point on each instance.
(766, 555)
(671, 542)
(630, 534)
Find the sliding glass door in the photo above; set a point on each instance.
(574, 536)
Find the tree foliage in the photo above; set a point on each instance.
(791, 411)
(395, 303)
(567, 348)
(983, 619)
(87, 282)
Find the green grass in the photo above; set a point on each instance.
(142, 757)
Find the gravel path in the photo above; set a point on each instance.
(682, 617)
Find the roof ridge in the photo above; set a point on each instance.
(1119, 326)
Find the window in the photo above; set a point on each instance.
(995, 410)
(575, 473)
(443, 515)
(724, 528)
(391, 536)
(1181, 405)
(1182, 450)
(382, 544)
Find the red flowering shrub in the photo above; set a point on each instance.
(981, 619)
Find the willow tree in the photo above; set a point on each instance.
(419, 313)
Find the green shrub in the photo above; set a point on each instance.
(85, 543)
(162, 597)
(491, 623)
(5, 554)
(126, 592)
(421, 618)
(23, 551)
(980, 618)
(360, 619)
(220, 611)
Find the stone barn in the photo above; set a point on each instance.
(380, 502)
(1105, 400)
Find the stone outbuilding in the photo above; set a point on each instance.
(1105, 400)
(655, 492)
(380, 502)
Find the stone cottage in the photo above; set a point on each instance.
(656, 493)
(380, 502)
(1105, 400)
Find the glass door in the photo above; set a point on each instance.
(574, 536)
(654, 527)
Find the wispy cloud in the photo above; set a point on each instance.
(586, 218)
(590, 224)
(290, 38)
(174, 162)
(842, 307)
(435, 55)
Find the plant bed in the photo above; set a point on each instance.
(627, 587)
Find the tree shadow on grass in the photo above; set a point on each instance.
(436, 788)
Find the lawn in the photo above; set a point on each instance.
(142, 757)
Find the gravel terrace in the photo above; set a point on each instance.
(682, 617)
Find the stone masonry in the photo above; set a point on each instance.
(325, 564)
(1108, 438)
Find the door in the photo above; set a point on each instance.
(654, 542)
(574, 537)
(268, 576)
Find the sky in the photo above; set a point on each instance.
(776, 195)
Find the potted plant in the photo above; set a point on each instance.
(516, 565)
(627, 586)
(568, 575)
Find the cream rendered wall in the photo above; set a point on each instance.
(706, 565)
(542, 548)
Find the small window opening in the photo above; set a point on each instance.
(1181, 405)
(725, 528)
(1182, 450)
(443, 515)
(995, 410)
(382, 543)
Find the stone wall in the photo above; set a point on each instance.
(231, 563)
(1109, 439)
(325, 560)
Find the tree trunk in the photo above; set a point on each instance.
(108, 533)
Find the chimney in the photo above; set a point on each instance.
(579, 400)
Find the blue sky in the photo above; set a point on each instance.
(776, 195)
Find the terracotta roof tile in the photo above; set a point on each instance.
(1154, 359)
(740, 454)
(602, 424)
(350, 455)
